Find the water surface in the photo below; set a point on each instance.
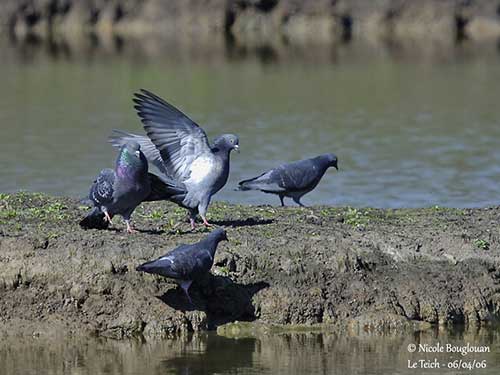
(300, 353)
(407, 131)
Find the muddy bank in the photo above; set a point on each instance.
(257, 19)
(341, 268)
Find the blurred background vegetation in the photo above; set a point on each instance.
(266, 27)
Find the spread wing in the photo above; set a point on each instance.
(178, 139)
(102, 190)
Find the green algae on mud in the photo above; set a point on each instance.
(320, 267)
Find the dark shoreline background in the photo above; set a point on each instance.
(255, 22)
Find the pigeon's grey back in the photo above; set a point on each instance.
(186, 262)
(302, 175)
(102, 190)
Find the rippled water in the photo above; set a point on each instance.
(302, 353)
(407, 132)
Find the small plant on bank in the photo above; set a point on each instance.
(355, 217)
(482, 244)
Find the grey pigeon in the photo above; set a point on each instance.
(187, 263)
(119, 191)
(191, 170)
(292, 179)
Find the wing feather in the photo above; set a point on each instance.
(178, 139)
(102, 189)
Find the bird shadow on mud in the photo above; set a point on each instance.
(181, 229)
(248, 222)
(150, 231)
(223, 300)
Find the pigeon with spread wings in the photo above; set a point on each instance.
(192, 170)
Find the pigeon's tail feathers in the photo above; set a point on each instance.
(94, 220)
(149, 267)
(251, 183)
(163, 188)
(161, 266)
(86, 201)
(142, 268)
(263, 182)
(244, 185)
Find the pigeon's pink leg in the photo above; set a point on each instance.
(191, 221)
(130, 229)
(206, 223)
(108, 218)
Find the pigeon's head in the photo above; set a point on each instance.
(133, 148)
(219, 234)
(332, 160)
(131, 157)
(227, 142)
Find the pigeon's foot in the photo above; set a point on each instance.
(282, 201)
(185, 287)
(206, 223)
(130, 228)
(107, 217)
(297, 200)
(193, 225)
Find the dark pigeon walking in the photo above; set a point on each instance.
(191, 170)
(292, 179)
(119, 191)
(187, 263)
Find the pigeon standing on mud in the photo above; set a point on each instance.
(119, 191)
(187, 263)
(292, 179)
(192, 171)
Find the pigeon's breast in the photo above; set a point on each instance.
(203, 170)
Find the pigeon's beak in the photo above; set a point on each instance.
(237, 148)
(137, 153)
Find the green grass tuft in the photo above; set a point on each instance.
(482, 244)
